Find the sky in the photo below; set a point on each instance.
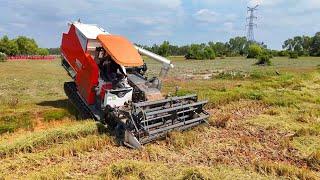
(148, 21)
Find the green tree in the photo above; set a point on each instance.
(21, 45)
(274, 52)
(234, 47)
(27, 46)
(7, 46)
(194, 52)
(183, 50)
(254, 51)
(315, 45)
(238, 46)
(42, 51)
(200, 52)
(219, 48)
(154, 49)
(208, 53)
(264, 58)
(288, 44)
(293, 55)
(306, 44)
(283, 53)
(56, 51)
(173, 50)
(298, 44)
(3, 57)
(164, 49)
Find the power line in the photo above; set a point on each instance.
(251, 24)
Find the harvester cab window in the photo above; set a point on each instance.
(114, 73)
(109, 69)
(99, 55)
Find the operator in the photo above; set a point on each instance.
(112, 71)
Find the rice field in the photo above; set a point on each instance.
(264, 124)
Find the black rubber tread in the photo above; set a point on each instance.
(70, 88)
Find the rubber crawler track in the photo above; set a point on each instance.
(70, 89)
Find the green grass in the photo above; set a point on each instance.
(31, 82)
(32, 141)
(278, 90)
(235, 64)
(284, 170)
(264, 125)
(66, 149)
(10, 123)
(56, 114)
(143, 170)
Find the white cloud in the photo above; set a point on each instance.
(147, 21)
(245, 2)
(230, 17)
(172, 4)
(314, 3)
(206, 16)
(142, 5)
(264, 2)
(120, 16)
(144, 20)
(216, 21)
(228, 27)
(2, 29)
(159, 31)
(146, 4)
(308, 5)
(18, 25)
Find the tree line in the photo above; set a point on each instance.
(237, 46)
(21, 46)
(303, 45)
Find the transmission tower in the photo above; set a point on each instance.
(251, 24)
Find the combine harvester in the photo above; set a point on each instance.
(110, 86)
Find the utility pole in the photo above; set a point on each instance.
(251, 24)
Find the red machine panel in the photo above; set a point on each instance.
(87, 71)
